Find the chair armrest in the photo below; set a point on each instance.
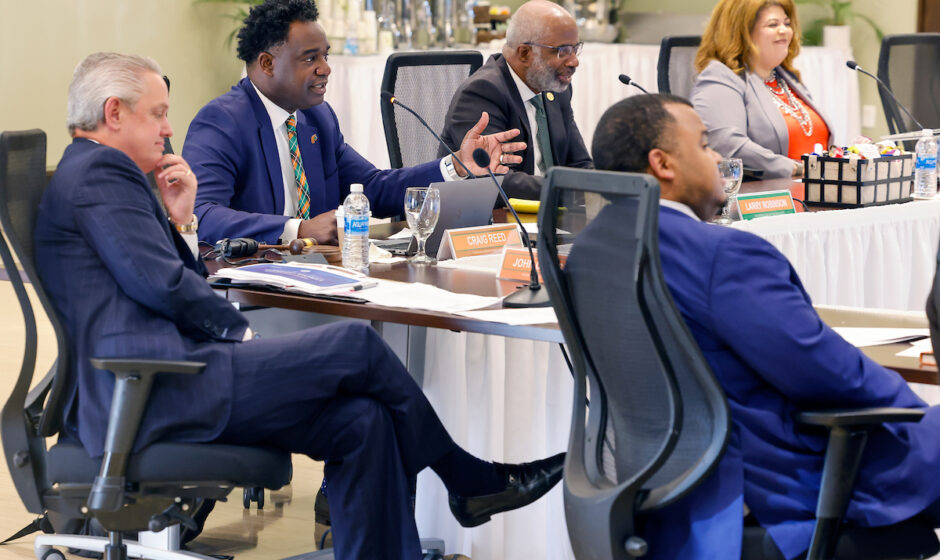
(133, 380)
(860, 417)
(848, 434)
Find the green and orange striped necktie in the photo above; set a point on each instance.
(303, 193)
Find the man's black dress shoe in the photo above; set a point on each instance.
(525, 483)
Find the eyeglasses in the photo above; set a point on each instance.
(562, 51)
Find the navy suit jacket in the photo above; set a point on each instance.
(125, 285)
(492, 89)
(231, 149)
(774, 357)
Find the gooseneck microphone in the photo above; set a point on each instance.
(394, 101)
(627, 81)
(854, 66)
(532, 295)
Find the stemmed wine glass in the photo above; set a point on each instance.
(732, 172)
(422, 208)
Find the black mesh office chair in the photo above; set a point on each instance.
(908, 65)
(675, 69)
(426, 82)
(656, 421)
(148, 492)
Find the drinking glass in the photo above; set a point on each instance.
(422, 208)
(732, 172)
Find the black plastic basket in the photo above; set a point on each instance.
(854, 183)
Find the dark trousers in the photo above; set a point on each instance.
(338, 394)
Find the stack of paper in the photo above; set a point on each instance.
(304, 278)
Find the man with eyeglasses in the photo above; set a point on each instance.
(527, 87)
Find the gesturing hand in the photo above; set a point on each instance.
(497, 145)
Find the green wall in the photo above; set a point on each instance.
(41, 41)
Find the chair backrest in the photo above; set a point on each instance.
(650, 420)
(426, 82)
(909, 65)
(28, 417)
(675, 69)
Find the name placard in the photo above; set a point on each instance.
(482, 240)
(515, 264)
(768, 203)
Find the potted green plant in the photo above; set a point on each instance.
(840, 14)
(238, 16)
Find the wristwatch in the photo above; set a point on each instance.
(449, 166)
(191, 227)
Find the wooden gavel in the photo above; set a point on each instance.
(295, 247)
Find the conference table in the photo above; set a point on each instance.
(502, 391)
(876, 257)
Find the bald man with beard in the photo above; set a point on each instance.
(535, 68)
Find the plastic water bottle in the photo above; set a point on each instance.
(925, 166)
(356, 230)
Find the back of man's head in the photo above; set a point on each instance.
(267, 25)
(630, 129)
(99, 77)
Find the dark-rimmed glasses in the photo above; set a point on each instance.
(561, 51)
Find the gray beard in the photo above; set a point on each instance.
(542, 77)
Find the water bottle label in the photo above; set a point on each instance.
(926, 162)
(356, 224)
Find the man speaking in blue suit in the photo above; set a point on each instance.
(269, 156)
(127, 282)
(770, 351)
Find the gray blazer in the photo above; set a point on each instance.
(742, 119)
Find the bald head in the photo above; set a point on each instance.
(535, 31)
(534, 19)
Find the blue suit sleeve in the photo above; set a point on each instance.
(385, 189)
(759, 308)
(215, 148)
(115, 214)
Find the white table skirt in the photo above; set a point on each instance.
(356, 81)
(505, 400)
(882, 256)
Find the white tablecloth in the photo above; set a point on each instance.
(356, 81)
(505, 400)
(882, 256)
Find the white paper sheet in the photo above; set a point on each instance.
(867, 336)
(528, 316)
(478, 263)
(916, 349)
(423, 296)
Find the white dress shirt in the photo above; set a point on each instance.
(278, 118)
(684, 208)
(527, 94)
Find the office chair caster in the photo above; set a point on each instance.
(53, 554)
(255, 494)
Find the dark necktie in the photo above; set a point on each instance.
(541, 133)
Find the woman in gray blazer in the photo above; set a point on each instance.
(749, 94)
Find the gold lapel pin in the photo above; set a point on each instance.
(550, 96)
(313, 139)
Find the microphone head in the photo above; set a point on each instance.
(624, 79)
(481, 158)
(852, 64)
(386, 96)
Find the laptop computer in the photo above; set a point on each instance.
(464, 203)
